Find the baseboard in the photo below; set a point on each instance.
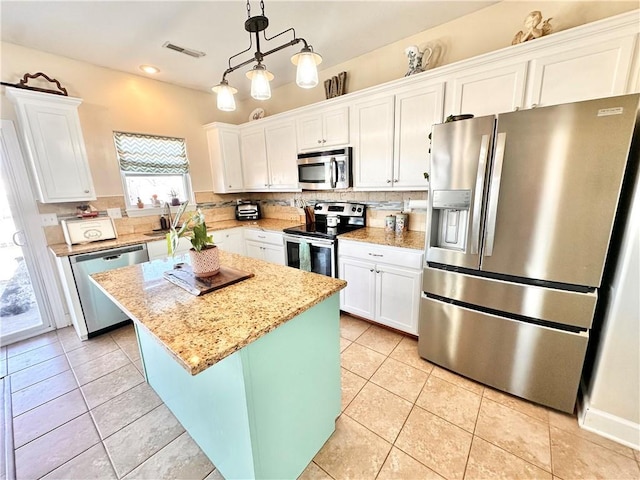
(607, 425)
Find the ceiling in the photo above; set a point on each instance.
(122, 35)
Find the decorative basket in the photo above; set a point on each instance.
(206, 262)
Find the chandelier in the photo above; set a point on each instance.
(306, 61)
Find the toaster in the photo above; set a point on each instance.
(247, 211)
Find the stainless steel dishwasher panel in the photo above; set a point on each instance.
(531, 361)
(99, 311)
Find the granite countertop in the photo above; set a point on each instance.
(63, 250)
(410, 239)
(200, 331)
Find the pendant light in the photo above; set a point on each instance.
(306, 61)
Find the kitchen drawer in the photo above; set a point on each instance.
(273, 238)
(401, 257)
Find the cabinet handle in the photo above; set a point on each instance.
(371, 270)
(319, 141)
(395, 180)
(324, 141)
(230, 186)
(534, 105)
(261, 236)
(516, 109)
(377, 271)
(376, 254)
(86, 191)
(388, 181)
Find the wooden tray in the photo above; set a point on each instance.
(183, 276)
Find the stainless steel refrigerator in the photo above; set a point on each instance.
(521, 212)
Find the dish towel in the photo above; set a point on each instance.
(305, 256)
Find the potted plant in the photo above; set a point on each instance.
(205, 261)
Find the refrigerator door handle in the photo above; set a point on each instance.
(494, 193)
(477, 201)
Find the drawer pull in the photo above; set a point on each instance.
(261, 236)
(376, 254)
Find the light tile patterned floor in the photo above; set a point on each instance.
(82, 410)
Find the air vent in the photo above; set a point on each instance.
(186, 51)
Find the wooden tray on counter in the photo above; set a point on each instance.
(183, 277)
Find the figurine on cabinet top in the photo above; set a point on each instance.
(534, 27)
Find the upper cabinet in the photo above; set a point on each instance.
(571, 74)
(269, 155)
(390, 136)
(324, 128)
(55, 147)
(487, 90)
(224, 153)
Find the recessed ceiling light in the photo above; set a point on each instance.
(149, 69)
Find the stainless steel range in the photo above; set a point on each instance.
(312, 246)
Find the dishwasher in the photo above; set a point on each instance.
(100, 313)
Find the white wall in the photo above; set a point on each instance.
(612, 399)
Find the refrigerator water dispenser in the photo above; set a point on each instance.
(451, 218)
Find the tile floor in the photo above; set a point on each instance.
(82, 410)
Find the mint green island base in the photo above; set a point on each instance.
(267, 409)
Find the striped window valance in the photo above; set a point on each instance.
(139, 153)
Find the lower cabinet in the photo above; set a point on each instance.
(383, 283)
(263, 245)
(230, 240)
(159, 248)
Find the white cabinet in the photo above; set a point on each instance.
(383, 283)
(325, 128)
(416, 111)
(51, 129)
(255, 173)
(160, 249)
(265, 245)
(230, 240)
(372, 127)
(390, 136)
(224, 154)
(269, 156)
(487, 90)
(282, 155)
(601, 69)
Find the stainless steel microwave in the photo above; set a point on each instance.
(327, 170)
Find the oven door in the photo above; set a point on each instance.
(321, 254)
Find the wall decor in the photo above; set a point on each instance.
(417, 62)
(336, 85)
(534, 27)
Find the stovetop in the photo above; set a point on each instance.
(320, 230)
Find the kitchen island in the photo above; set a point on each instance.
(252, 371)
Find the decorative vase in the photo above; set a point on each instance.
(417, 63)
(206, 262)
(175, 201)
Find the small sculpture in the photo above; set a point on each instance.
(415, 56)
(534, 27)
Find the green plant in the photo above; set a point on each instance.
(193, 228)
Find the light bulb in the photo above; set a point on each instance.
(307, 72)
(260, 76)
(225, 99)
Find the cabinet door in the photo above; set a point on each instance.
(335, 126)
(489, 91)
(254, 250)
(254, 160)
(58, 153)
(593, 71)
(273, 254)
(358, 296)
(398, 297)
(416, 111)
(309, 132)
(282, 156)
(372, 129)
(226, 162)
(234, 241)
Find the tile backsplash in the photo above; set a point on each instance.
(273, 205)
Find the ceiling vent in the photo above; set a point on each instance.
(186, 51)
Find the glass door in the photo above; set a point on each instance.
(23, 310)
(321, 255)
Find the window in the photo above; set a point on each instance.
(154, 170)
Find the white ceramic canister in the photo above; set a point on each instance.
(389, 224)
(402, 220)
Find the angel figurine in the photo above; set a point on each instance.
(534, 27)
